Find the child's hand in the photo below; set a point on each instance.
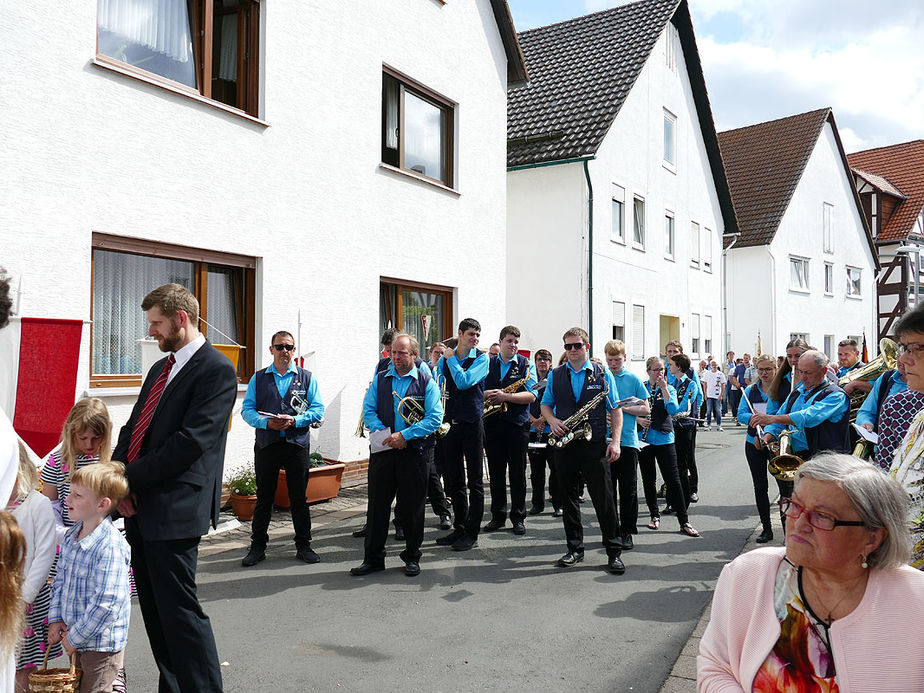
(55, 632)
(66, 644)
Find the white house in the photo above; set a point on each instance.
(317, 167)
(616, 196)
(804, 264)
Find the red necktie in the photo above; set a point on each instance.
(150, 404)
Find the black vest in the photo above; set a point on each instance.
(684, 421)
(386, 401)
(660, 419)
(785, 387)
(755, 397)
(464, 405)
(268, 399)
(565, 406)
(827, 435)
(517, 414)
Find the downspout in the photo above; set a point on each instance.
(735, 236)
(772, 300)
(590, 257)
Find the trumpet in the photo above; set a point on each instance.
(501, 407)
(785, 465)
(578, 424)
(412, 411)
(300, 405)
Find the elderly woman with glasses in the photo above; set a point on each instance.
(837, 609)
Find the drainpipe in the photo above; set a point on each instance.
(734, 237)
(773, 314)
(590, 257)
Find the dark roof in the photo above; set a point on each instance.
(516, 65)
(580, 73)
(765, 163)
(880, 183)
(903, 166)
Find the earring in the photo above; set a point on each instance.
(864, 563)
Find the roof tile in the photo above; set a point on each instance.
(902, 165)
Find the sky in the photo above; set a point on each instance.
(767, 59)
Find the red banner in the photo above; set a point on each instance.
(48, 354)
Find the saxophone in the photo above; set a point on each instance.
(578, 423)
(652, 398)
(501, 407)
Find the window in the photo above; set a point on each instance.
(830, 349)
(618, 230)
(638, 332)
(619, 320)
(804, 336)
(707, 250)
(828, 225)
(206, 46)
(829, 279)
(125, 270)
(670, 139)
(417, 129)
(707, 335)
(671, 41)
(669, 235)
(798, 274)
(638, 223)
(694, 244)
(694, 334)
(422, 310)
(853, 281)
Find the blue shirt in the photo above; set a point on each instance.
(312, 396)
(656, 437)
(577, 384)
(464, 379)
(433, 405)
(629, 385)
(868, 412)
(532, 381)
(744, 411)
(739, 376)
(804, 415)
(90, 593)
(844, 370)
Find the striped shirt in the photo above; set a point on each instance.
(90, 593)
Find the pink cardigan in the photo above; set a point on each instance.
(878, 647)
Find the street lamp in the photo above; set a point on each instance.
(915, 250)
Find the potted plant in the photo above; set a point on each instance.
(323, 481)
(243, 485)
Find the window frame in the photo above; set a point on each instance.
(447, 329)
(707, 250)
(670, 236)
(694, 335)
(203, 42)
(694, 244)
(201, 259)
(444, 104)
(638, 333)
(638, 203)
(827, 224)
(619, 323)
(829, 278)
(618, 212)
(669, 143)
(859, 280)
(804, 261)
(707, 334)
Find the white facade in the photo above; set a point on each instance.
(547, 226)
(765, 293)
(86, 149)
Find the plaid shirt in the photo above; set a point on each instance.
(90, 593)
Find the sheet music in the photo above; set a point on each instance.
(377, 438)
(760, 407)
(866, 435)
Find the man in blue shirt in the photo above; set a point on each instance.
(283, 436)
(571, 387)
(405, 402)
(464, 370)
(848, 357)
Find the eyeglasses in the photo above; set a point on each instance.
(281, 347)
(655, 370)
(792, 509)
(578, 345)
(913, 350)
(543, 358)
(765, 370)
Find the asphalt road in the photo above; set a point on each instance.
(501, 616)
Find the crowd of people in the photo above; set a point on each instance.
(823, 609)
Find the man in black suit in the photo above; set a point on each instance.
(174, 448)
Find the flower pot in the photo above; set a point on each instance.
(323, 484)
(243, 506)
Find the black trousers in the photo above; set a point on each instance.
(624, 473)
(266, 463)
(401, 474)
(691, 463)
(583, 459)
(463, 460)
(538, 459)
(505, 445)
(435, 493)
(683, 445)
(734, 399)
(178, 630)
(757, 462)
(666, 457)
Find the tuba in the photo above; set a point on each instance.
(886, 361)
(785, 465)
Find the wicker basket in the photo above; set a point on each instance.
(47, 680)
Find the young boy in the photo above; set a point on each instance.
(90, 601)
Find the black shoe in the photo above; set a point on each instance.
(307, 555)
(765, 536)
(494, 525)
(519, 528)
(253, 557)
(445, 522)
(399, 533)
(449, 539)
(694, 497)
(361, 532)
(581, 499)
(627, 543)
(367, 568)
(465, 542)
(412, 568)
(570, 559)
(558, 512)
(536, 510)
(615, 565)
(668, 510)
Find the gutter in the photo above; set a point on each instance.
(734, 236)
(543, 164)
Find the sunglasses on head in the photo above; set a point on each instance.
(569, 347)
(284, 347)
